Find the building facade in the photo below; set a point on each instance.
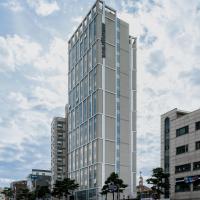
(17, 187)
(180, 153)
(102, 102)
(58, 149)
(38, 178)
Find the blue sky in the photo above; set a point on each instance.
(33, 72)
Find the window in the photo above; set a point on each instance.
(182, 131)
(183, 168)
(73, 78)
(94, 146)
(85, 41)
(182, 186)
(84, 110)
(81, 90)
(80, 113)
(76, 74)
(89, 153)
(85, 132)
(73, 119)
(91, 32)
(197, 145)
(89, 59)
(86, 87)
(84, 65)
(77, 116)
(94, 103)
(95, 126)
(89, 101)
(94, 55)
(77, 94)
(81, 69)
(81, 48)
(91, 173)
(181, 149)
(196, 165)
(197, 125)
(196, 185)
(91, 129)
(69, 81)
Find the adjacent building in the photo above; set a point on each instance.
(17, 187)
(102, 102)
(58, 148)
(2, 196)
(38, 178)
(180, 153)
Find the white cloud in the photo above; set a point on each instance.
(16, 51)
(43, 7)
(13, 5)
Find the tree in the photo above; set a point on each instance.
(7, 192)
(23, 193)
(69, 186)
(64, 187)
(113, 185)
(42, 192)
(160, 182)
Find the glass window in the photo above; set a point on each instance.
(89, 100)
(84, 110)
(77, 116)
(77, 94)
(86, 87)
(89, 59)
(182, 131)
(81, 157)
(73, 78)
(82, 134)
(94, 103)
(85, 133)
(73, 119)
(89, 153)
(84, 65)
(95, 176)
(183, 168)
(91, 173)
(81, 69)
(197, 125)
(69, 81)
(77, 137)
(95, 127)
(94, 145)
(76, 74)
(181, 149)
(197, 145)
(196, 165)
(91, 82)
(95, 78)
(81, 90)
(69, 166)
(77, 49)
(81, 48)
(91, 32)
(91, 129)
(69, 122)
(74, 97)
(85, 155)
(94, 55)
(80, 113)
(94, 28)
(85, 41)
(85, 177)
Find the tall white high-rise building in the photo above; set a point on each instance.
(102, 102)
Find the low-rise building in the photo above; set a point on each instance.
(38, 178)
(16, 186)
(180, 153)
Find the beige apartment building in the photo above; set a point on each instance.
(58, 149)
(102, 102)
(180, 153)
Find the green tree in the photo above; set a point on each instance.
(160, 182)
(7, 192)
(113, 185)
(42, 192)
(69, 186)
(65, 188)
(23, 194)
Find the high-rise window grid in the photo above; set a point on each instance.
(82, 100)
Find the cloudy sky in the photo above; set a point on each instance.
(33, 73)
